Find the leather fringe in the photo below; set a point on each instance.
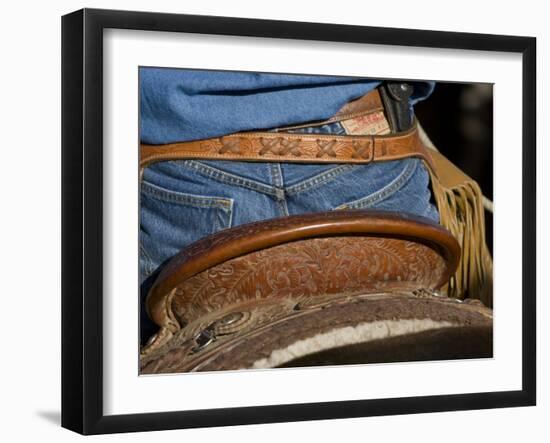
(460, 205)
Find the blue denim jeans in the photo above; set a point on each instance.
(179, 105)
(183, 201)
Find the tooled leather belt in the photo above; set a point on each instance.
(300, 148)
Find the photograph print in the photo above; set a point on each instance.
(297, 220)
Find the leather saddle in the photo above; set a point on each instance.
(326, 288)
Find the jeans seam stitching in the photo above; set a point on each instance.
(276, 175)
(218, 225)
(319, 179)
(150, 266)
(227, 178)
(230, 211)
(149, 263)
(180, 197)
(278, 182)
(284, 203)
(387, 191)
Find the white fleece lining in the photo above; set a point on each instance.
(349, 335)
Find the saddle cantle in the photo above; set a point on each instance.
(271, 292)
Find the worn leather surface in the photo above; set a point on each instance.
(363, 225)
(308, 270)
(298, 260)
(268, 326)
(298, 148)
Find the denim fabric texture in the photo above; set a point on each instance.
(179, 105)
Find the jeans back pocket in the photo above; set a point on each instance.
(171, 220)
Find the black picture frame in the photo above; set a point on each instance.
(82, 218)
